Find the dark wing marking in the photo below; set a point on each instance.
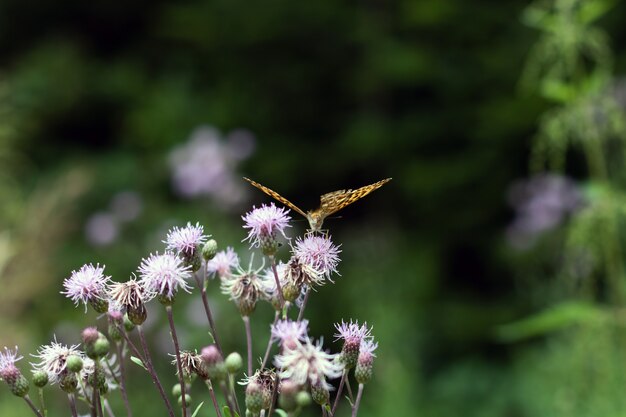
(276, 196)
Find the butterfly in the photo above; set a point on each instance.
(329, 203)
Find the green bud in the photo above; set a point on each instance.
(233, 362)
(115, 333)
(137, 315)
(209, 249)
(187, 399)
(40, 379)
(303, 399)
(320, 394)
(254, 397)
(68, 382)
(129, 326)
(20, 386)
(291, 292)
(176, 390)
(165, 300)
(99, 305)
(74, 363)
(102, 346)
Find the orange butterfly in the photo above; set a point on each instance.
(329, 203)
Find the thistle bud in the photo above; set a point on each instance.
(100, 305)
(303, 399)
(40, 379)
(288, 392)
(209, 250)
(320, 394)
(68, 382)
(363, 370)
(187, 399)
(215, 366)
(137, 315)
(129, 326)
(234, 362)
(74, 363)
(254, 397)
(176, 390)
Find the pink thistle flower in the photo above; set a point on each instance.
(185, 240)
(164, 274)
(8, 370)
(308, 362)
(363, 370)
(87, 285)
(222, 263)
(265, 223)
(319, 253)
(352, 334)
(290, 332)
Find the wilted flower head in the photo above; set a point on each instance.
(222, 263)
(87, 285)
(185, 240)
(270, 290)
(131, 295)
(265, 223)
(191, 363)
(53, 359)
(259, 389)
(244, 288)
(308, 362)
(289, 333)
(164, 274)
(353, 335)
(317, 252)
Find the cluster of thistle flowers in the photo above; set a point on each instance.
(299, 372)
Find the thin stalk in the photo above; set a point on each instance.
(130, 343)
(246, 322)
(231, 383)
(120, 355)
(324, 413)
(355, 407)
(349, 389)
(339, 391)
(212, 393)
(269, 342)
(207, 309)
(274, 393)
(228, 397)
(107, 407)
(95, 389)
(42, 402)
(281, 298)
(170, 318)
(31, 405)
(72, 402)
(303, 306)
(152, 372)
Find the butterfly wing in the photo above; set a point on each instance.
(276, 196)
(333, 202)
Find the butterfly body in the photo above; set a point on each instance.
(329, 203)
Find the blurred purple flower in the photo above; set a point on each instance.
(540, 203)
(126, 206)
(101, 229)
(205, 165)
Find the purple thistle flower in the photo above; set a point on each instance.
(319, 253)
(164, 274)
(87, 285)
(308, 362)
(8, 370)
(265, 223)
(290, 332)
(352, 334)
(363, 370)
(53, 359)
(222, 263)
(185, 240)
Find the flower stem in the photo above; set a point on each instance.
(246, 322)
(339, 391)
(281, 298)
(207, 309)
(107, 407)
(212, 393)
(152, 372)
(274, 393)
(269, 342)
(72, 401)
(349, 389)
(324, 413)
(31, 405)
(42, 402)
(95, 390)
(228, 397)
(355, 407)
(231, 383)
(120, 355)
(303, 306)
(181, 379)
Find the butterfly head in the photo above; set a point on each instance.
(316, 219)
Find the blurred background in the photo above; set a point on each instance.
(491, 267)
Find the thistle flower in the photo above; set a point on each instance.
(363, 371)
(308, 362)
(270, 289)
(131, 295)
(265, 223)
(164, 274)
(299, 274)
(352, 334)
(10, 374)
(89, 286)
(244, 288)
(191, 363)
(212, 358)
(187, 243)
(223, 263)
(319, 253)
(289, 333)
(53, 360)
